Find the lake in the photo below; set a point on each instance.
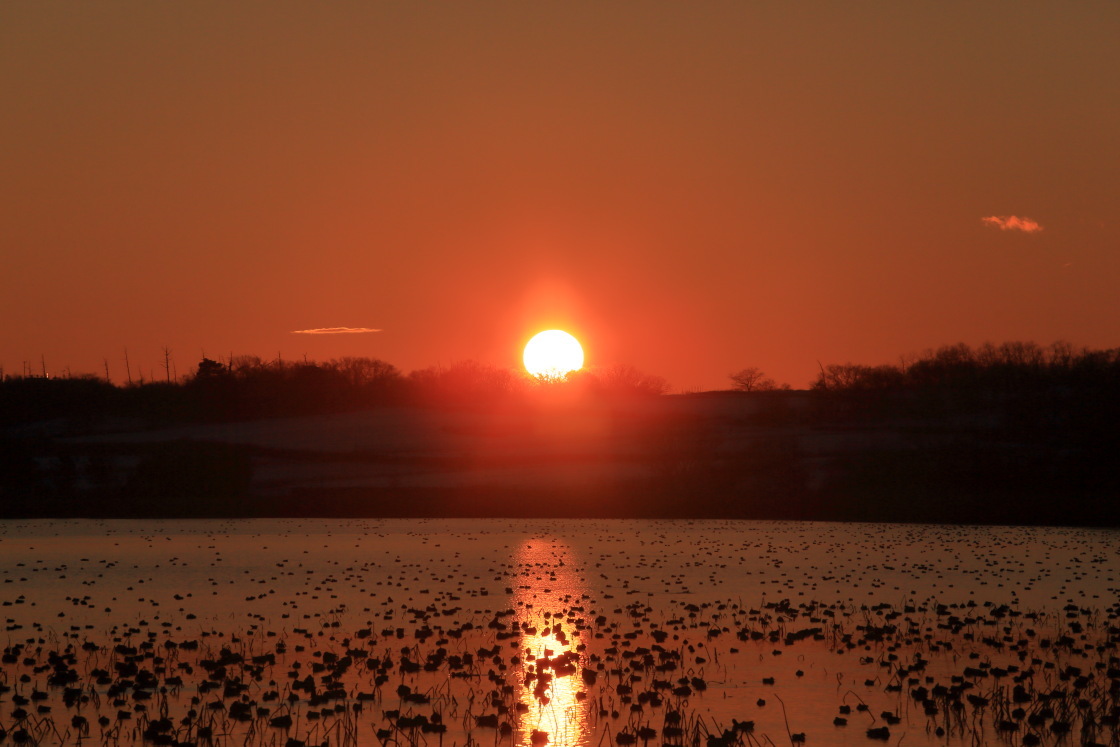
(557, 632)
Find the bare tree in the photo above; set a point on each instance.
(752, 380)
(624, 379)
(361, 371)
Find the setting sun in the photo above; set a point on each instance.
(553, 353)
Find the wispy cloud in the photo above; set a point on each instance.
(334, 331)
(1012, 223)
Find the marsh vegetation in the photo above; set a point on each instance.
(515, 633)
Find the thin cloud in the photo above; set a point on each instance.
(335, 331)
(1012, 223)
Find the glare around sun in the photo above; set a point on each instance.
(553, 354)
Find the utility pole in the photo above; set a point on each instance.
(106, 361)
(43, 360)
(167, 363)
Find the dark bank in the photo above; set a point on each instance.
(1014, 434)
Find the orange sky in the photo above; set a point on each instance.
(688, 188)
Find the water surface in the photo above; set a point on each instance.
(568, 632)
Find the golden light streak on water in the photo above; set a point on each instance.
(551, 686)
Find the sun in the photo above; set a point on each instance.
(553, 354)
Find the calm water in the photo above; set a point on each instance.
(569, 633)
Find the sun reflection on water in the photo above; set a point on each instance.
(553, 693)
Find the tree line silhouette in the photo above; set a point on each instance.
(988, 368)
(248, 387)
(950, 378)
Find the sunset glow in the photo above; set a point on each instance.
(578, 374)
(553, 354)
(817, 183)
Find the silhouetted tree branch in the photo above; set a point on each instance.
(752, 380)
